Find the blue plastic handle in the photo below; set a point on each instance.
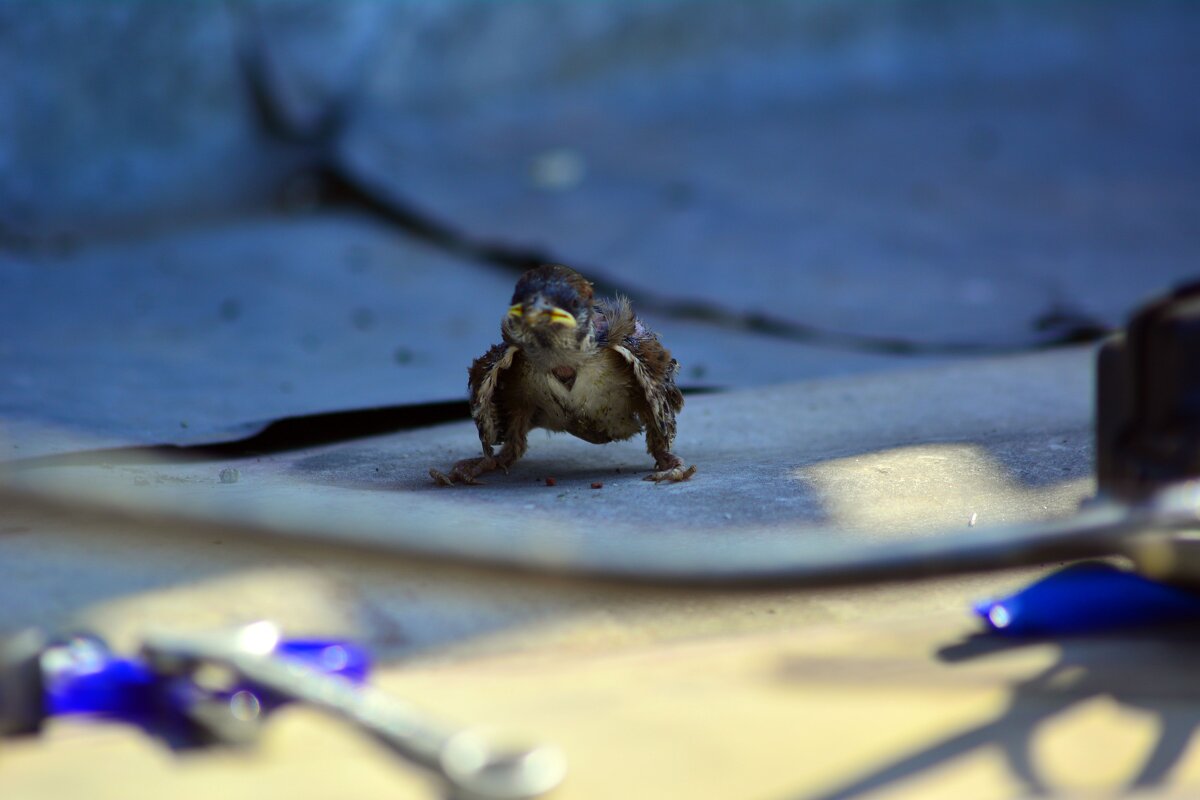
(82, 676)
(1085, 598)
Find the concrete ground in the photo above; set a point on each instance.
(652, 690)
(882, 241)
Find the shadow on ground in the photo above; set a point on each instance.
(1085, 670)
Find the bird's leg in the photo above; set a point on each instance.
(514, 447)
(668, 466)
(467, 470)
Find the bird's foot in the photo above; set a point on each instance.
(465, 471)
(670, 470)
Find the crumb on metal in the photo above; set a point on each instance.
(551, 482)
(597, 485)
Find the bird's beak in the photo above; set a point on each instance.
(539, 311)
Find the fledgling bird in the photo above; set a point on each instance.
(570, 362)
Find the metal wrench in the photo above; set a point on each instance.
(474, 768)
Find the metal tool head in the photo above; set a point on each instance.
(479, 770)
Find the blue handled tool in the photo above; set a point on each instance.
(81, 675)
(194, 689)
(1087, 598)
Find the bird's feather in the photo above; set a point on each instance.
(483, 380)
(651, 365)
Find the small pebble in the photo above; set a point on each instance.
(971, 523)
(551, 482)
(597, 485)
(230, 475)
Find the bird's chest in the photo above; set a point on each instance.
(592, 400)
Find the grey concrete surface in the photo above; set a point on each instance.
(119, 114)
(890, 454)
(947, 174)
(208, 335)
(988, 164)
(932, 173)
(813, 474)
(849, 465)
(937, 171)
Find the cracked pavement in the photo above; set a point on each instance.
(824, 208)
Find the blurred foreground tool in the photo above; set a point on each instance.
(42, 677)
(1091, 597)
(1148, 425)
(197, 690)
(1147, 448)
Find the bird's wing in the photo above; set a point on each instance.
(484, 379)
(651, 364)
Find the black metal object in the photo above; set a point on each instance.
(1148, 399)
(22, 708)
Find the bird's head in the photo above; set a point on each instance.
(551, 309)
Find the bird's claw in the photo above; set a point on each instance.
(463, 472)
(675, 474)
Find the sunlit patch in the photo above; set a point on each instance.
(1097, 745)
(933, 488)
